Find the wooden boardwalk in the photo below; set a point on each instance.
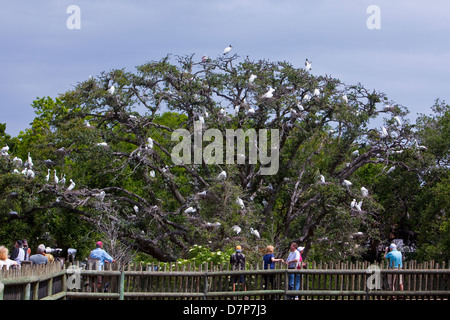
(322, 281)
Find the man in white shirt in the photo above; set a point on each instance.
(292, 261)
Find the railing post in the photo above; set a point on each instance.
(27, 292)
(205, 287)
(2, 290)
(121, 285)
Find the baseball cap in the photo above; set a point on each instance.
(238, 248)
(99, 243)
(393, 246)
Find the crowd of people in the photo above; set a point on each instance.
(22, 252)
(295, 261)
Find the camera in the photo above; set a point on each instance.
(54, 251)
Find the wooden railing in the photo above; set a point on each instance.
(327, 281)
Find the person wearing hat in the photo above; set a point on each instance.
(395, 262)
(101, 255)
(237, 261)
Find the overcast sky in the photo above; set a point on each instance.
(407, 58)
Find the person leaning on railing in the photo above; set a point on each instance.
(101, 255)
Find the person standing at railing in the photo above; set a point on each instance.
(292, 261)
(269, 263)
(101, 255)
(18, 253)
(39, 257)
(237, 261)
(395, 262)
(4, 260)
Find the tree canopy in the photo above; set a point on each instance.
(341, 188)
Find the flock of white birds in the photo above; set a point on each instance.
(28, 165)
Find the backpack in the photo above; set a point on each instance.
(299, 264)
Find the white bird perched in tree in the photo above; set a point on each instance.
(205, 58)
(102, 144)
(111, 90)
(5, 150)
(149, 144)
(56, 178)
(322, 178)
(222, 175)
(390, 169)
(227, 49)
(364, 192)
(254, 232)
(353, 203)
(316, 92)
(100, 196)
(251, 110)
(344, 98)
(71, 186)
(240, 202)
(300, 107)
(347, 183)
(306, 98)
(190, 210)
(358, 206)
(18, 161)
(269, 93)
(398, 120)
(355, 153)
(236, 229)
(384, 132)
(29, 162)
(308, 65)
(252, 78)
(136, 208)
(63, 180)
(87, 124)
(47, 177)
(202, 194)
(152, 174)
(30, 174)
(236, 109)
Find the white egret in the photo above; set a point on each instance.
(353, 203)
(254, 232)
(251, 111)
(384, 132)
(236, 229)
(152, 174)
(111, 90)
(149, 144)
(102, 144)
(390, 169)
(71, 186)
(347, 183)
(344, 98)
(322, 178)
(5, 150)
(190, 210)
(56, 178)
(398, 120)
(222, 175)
(30, 174)
(100, 196)
(240, 202)
(358, 206)
(355, 153)
(136, 208)
(269, 93)
(252, 78)
(306, 98)
(364, 192)
(316, 92)
(47, 177)
(63, 180)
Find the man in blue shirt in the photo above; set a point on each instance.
(101, 255)
(395, 262)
